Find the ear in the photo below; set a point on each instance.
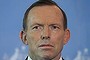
(67, 36)
(23, 37)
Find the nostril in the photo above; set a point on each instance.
(45, 37)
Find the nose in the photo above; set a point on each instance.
(45, 34)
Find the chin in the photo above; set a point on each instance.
(46, 56)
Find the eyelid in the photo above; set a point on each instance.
(54, 25)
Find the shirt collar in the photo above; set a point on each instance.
(31, 59)
(60, 58)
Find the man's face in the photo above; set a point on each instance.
(45, 34)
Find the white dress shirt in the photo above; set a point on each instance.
(31, 59)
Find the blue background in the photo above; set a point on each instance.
(78, 14)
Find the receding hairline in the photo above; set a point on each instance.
(43, 3)
(56, 9)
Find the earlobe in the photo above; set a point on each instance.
(67, 36)
(23, 37)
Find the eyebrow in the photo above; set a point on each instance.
(55, 24)
(43, 24)
(36, 24)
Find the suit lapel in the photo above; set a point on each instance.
(62, 58)
(26, 58)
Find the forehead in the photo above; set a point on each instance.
(53, 9)
(45, 13)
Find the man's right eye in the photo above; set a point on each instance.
(37, 28)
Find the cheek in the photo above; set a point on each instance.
(33, 39)
(33, 35)
(57, 37)
(57, 40)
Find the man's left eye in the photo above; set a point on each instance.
(54, 27)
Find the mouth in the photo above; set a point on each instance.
(46, 46)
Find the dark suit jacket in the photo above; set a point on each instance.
(27, 58)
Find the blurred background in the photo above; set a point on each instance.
(11, 16)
